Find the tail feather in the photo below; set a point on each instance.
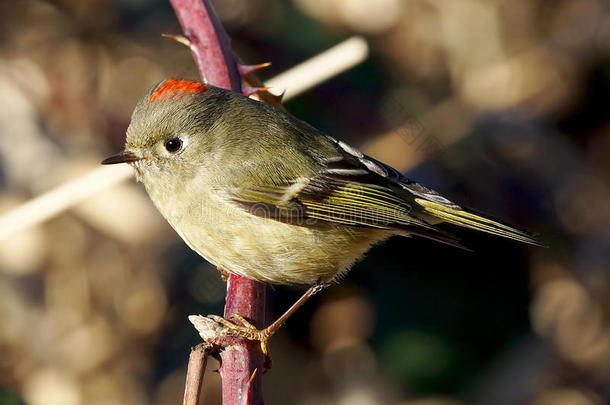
(474, 221)
(434, 234)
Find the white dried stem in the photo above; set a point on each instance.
(320, 68)
(62, 197)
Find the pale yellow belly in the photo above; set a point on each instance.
(271, 251)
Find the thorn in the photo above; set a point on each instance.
(268, 97)
(178, 38)
(277, 98)
(249, 90)
(255, 92)
(246, 69)
(248, 390)
(252, 376)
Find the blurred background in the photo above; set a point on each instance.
(500, 105)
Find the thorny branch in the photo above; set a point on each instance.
(241, 383)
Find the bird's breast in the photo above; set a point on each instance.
(262, 248)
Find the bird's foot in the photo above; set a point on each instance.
(244, 329)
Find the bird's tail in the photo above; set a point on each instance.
(475, 221)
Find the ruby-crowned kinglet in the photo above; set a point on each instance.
(261, 193)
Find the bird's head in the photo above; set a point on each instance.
(170, 129)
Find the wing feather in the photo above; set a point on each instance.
(353, 189)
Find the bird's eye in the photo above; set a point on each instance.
(173, 145)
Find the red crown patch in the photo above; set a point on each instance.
(176, 88)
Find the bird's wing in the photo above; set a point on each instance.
(353, 189)
(343, 191)
(430, 203)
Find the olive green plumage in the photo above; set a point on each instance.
(260, 193)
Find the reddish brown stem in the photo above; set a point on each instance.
(209, 43)
(242, 360)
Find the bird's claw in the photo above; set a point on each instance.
(244, 330)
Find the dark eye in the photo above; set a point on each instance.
(173, 145)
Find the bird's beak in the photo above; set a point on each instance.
(123, 157)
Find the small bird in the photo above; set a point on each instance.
(262, 194)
